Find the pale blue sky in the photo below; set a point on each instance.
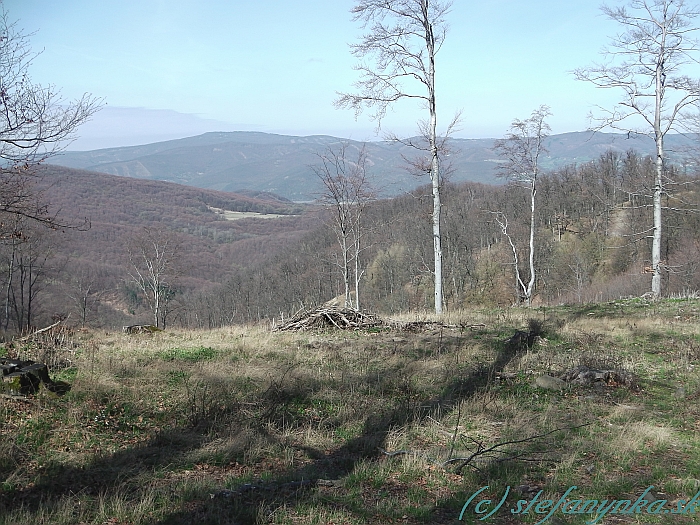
(276, 65)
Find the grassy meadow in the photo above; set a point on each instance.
(249, 426)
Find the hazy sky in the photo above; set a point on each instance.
(275, 65)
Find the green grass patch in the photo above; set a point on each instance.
(195, 353)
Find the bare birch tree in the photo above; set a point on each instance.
(152, 257)
(646, 62)
(403, 39)
(348, 191)
(521, 150)
(85, 291)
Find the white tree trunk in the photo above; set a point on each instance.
(531, 283)
(434, 166)
(658, 186)
(357, 275)
(437, 242)
(656, 237)
(156, 306)
(346, 270)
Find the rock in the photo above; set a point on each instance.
(597, 378)
(528, 490)
(38, 371)
(550, 383)
(12, 383)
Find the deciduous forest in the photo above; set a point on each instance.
(591, 225)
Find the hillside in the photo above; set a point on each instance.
(120, 210)
(280, 164)
(591, 245)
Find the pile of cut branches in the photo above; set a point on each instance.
(330, 317)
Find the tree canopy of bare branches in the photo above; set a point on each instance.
(152, 256)
(521, 150)
(36, 122)
(403, 38)
(347, 191)
(647, 62)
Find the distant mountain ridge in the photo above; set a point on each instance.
(281, 164)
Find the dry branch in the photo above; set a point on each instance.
(482, 450)
(45, 329)
(330, 317)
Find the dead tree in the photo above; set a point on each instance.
(152, 257)
(347, 191)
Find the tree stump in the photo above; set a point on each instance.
(21, 378)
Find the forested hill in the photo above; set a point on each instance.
(231, 265)
(280, 164)
(212, 242)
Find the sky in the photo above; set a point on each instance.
(173, 68)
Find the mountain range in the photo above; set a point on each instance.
(281, 164)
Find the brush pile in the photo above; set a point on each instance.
(330, 317)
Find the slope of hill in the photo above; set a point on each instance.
(120, 208)
(252, 268)
(280, 164)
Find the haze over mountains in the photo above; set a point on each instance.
(281, 164)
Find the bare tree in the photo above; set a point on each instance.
(36, 122)
(152, 257)
(646, 62)
(26, 274)
(347, 190)
(521, 150)
(403, 38)
(85, 291)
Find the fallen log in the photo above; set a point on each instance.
(141, 329)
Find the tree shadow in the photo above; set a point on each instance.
(250, 508)
(122, 471)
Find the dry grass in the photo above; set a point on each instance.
(239, 425)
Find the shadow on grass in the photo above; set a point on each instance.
(124, 471)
